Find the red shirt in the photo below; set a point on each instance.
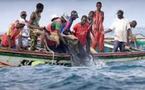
(81, 31)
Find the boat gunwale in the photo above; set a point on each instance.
(64, 55)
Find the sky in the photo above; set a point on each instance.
(10, 10)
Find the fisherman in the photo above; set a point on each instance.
(81, 30)
(9, 38)
(98, 28)
(66, 29)
(121, 28)
(35, 29)
(78, 45)
(90, 17)
(22, 41)
(90, 21)
(132, 38)
(53, 38)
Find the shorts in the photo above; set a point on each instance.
(25, 42)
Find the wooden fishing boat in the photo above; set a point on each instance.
(25, 58)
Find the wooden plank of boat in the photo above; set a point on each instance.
(47, 54)
(120, 56)
(34, 53)
(14, 57)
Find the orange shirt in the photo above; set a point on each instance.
(98, 21)
(13, 32)
(97, 41)
(81, 31)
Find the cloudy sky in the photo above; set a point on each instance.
(10, 9)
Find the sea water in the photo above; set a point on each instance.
(129, 75)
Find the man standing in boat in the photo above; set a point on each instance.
(35, 29)
(121, 29)
(22, 41)
(81, 30)
(98, 28)
(91, 15)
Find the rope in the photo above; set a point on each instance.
(52, 57)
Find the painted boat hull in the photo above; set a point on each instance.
(15, 58)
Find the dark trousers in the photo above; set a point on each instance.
(119, 45)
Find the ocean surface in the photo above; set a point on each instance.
(129, 75)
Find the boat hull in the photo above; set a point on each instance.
(25, 58)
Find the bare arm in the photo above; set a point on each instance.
(32, 19)
(60, 36)
(91, 30)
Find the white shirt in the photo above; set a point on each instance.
(25, 31)
(120, 27)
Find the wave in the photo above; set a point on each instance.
(109, 76)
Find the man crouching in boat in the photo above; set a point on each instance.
(81, 30)
(131, 38)
(79, 47)
(53, 39)
(9, 38)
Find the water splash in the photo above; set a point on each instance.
(100, 64)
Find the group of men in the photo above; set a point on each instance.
(89, 31)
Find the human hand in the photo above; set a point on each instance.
(42, 28)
